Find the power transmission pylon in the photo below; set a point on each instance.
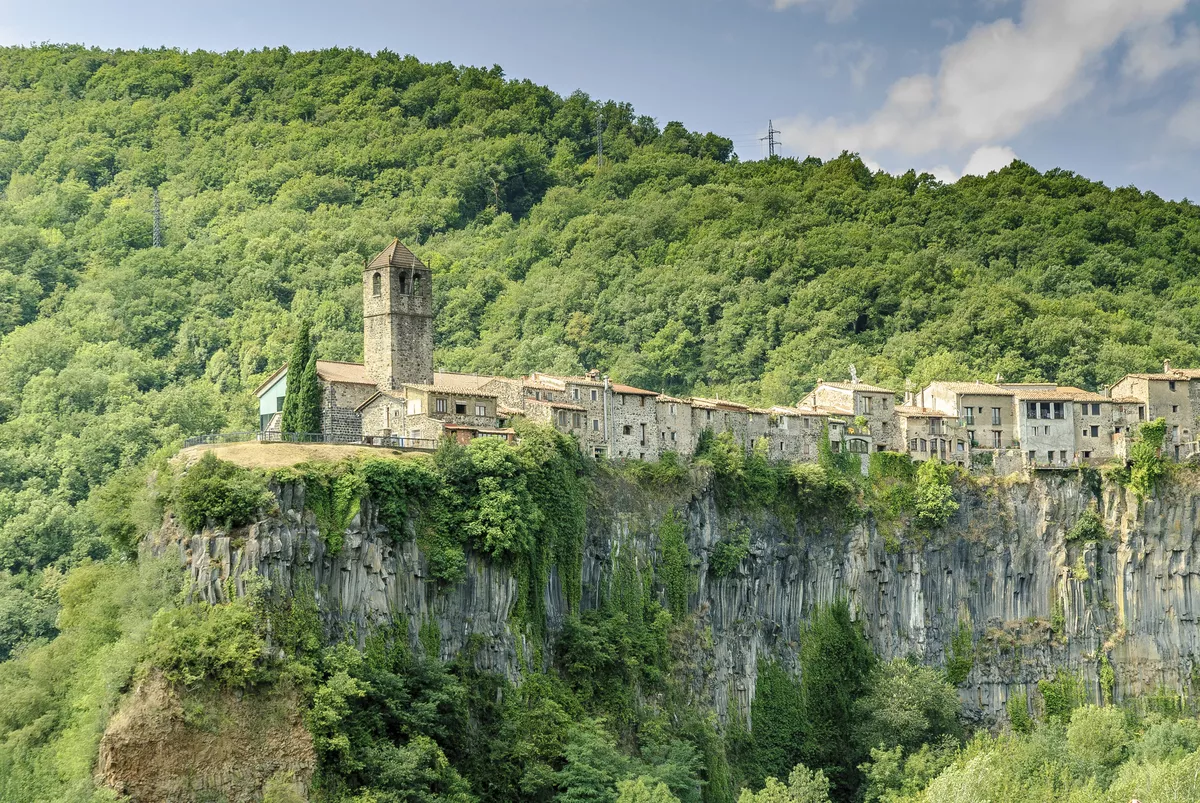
(770, 138)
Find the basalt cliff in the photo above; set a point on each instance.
(1004, 569)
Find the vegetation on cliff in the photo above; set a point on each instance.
(672, 267)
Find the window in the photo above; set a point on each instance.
(537, 394)
(864, 405)
(995, 439)
(1032, 457)
(1087, 455)
(1174, 433)
(1062, 457)
(460, 408)
(279, 404)
(970, 419)
(708, 415)
(858, 446)
(416, 283)
(672, 437)
(995, 416)
(1059, 411)
(595, 425)
(1031, 409)
(627, 429)
(782, 448)
(643, 401)
(439, 405)
(481, 409)
(924, 445)
(575, 394)
(403, 285)
(671, 408)
(1045, 407)
(1141, 413)
(1050, 456)
(1096, 408)
(549, 396)
(1095, 432)
(1117, 430)
(1174, 408)
(593, 395)
(562, 418)
(912, 445)
(576, 420)
(376, 285)
(643, 432)
(1171, 385)
(962, 447)
(971, 435)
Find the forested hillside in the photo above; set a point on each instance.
(671, 265)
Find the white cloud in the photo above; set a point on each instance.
(988, 159)
(1184, 125)
(857, 58)
(835, 10)
(999, 79)
(1156, 50)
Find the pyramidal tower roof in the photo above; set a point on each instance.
(395, 256)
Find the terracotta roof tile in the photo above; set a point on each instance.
(860, 386)
(350, 373)
(977, 388)
(395, 256)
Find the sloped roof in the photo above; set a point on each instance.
(350, 373)
(718, 404)
(859, 386)
(453, 379)
(395, 256)
(1062, 393)
(453, 391)
(394, 395)
(908, 411)
(630, 389)
(978, 388)
(557, 405)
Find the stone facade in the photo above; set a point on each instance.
(926, 434)
(398, 319)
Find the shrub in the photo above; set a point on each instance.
(935, 497)
(213, 490)
(728, 553)
(1147, 466)
(1088, 527)
(208, 642)
(960, 659)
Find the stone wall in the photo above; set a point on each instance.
(1032, 602)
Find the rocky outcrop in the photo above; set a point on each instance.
(1003, 568)
(168, 744)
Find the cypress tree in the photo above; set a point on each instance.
(301, 403)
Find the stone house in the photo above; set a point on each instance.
(633, 423)
(984, 411)
(867, 413)
(674, 425)
(719, 416)
(344, 386)
(1171, 395)
(430, 408)
(925, 433)
(790, 433)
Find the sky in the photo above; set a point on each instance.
(1109, 89)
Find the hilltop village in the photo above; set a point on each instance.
(396, 397)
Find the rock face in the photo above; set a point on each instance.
(170, 745)
(1002, 569)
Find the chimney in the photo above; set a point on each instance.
(1166, 366)
(908, 398)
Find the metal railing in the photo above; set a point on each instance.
(389, 441)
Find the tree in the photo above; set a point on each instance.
(803, 786)
(644, 790)
(835, 671)
(906, 705)
(302, 402)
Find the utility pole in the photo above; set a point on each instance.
(157, 220)
(599, 137)
(770, 137)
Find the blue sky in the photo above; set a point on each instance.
(1106, 88)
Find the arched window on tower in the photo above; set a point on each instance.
(376, 284)
(416, 283)
(403, 284)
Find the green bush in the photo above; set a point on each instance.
(214, 491)
(1147, 466)
(1088, 527)
(729, 552)
(935, 496)
(199, 642)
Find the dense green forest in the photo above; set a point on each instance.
(672, 265)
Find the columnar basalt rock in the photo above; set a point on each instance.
(1003, 567)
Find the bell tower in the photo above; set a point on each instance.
(398, 318)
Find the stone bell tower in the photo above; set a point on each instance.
(398, 318)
